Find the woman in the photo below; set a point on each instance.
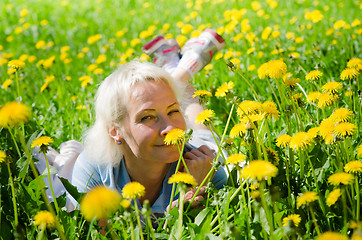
(136, 106)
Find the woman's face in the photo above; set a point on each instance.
(153, 111)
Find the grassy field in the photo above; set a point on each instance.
(295, 103)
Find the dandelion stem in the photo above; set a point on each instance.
(344, 201)
(138, 218)
(41, 234)
(90, 227)
(219, 220)
(276, 98)
(358, 198)
(314, 220)
(13, 195)
(15, 143)
(266, 209)
(246, 80)
(17, 85)
(51, 185)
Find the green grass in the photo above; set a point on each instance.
(55, 113)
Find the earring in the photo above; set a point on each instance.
(119, 142)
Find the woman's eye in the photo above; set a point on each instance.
(173, 111)
(145, 118)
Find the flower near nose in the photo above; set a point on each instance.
(175, 136)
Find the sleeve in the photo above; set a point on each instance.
(85, 174)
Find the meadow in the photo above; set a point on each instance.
(285, 96)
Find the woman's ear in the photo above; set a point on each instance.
(114, 133)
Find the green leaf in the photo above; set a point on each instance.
(72, 190)
(201, 216)
(52, 171)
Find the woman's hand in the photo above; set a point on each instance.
(199, 162)
(189, 195)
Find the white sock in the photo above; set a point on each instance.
(191, 62)
(171, 65)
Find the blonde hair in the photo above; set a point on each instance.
(110, 107)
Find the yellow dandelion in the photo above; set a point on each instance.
(313, 132)
(300, 140)
(353, 167)
(345, 129)
(133, 190)
(291, 82)
(238, 130)
(326, 99)
(355, 63)
(248, 107)
(93, 39)
(349, 73)
(332, 236)
(181, 177)
(259, 170)
(175, 136)
(236, 159)
(204, 116)
(326, 130)
(270, 109)
(332, 87)
(276, 68)
(99, 203)
(341, 115)
(224, 89)
(306, 198)
(42, 141)
(359, 151)
(125, 203)
(292, 219)
(202, 93)
(2, 156)
(44, 219)
(16, 64)
(333, 197)
(273, 156)
(262, 71)
(13, 114)
(283, 140)
(314, 75)
(337, 179)
(313, 96)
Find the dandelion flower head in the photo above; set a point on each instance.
(294, 218)
(332, 236)
(300, 140)
(291, 82)
(44, 219)
(283, 140)
(270, 109)
(238, 130)
(326, 130)
(41, 141)
(349, 73)
(262, 71)
(252, 118)
(332, 87)
(344, 129)
(181, 177)
(174, 136)
(326, 99)
(13, 114)
(224, 89)
(341, 115)
(314, 75)
(313, 96)
(133, 190)
(355, 63)
(353, 167)
(235, 159)
(125, 203)
(259, 170)
(306, 198)
(16, 64)
(2, 156)
(99, 203)
(333, 197)
(337, 179)
(248, 107)
(204, 116)
(202, 93)
(276, 69)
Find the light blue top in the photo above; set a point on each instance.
(87, 174)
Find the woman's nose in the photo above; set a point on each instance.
(167, 126)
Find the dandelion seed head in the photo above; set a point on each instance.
(133, 190)
(306, 198)
(342, 178)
